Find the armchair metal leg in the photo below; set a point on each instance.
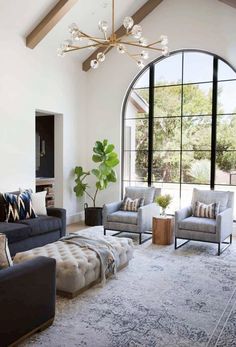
(182, 244)
(140, 238)
(104, 231)
(220, 251)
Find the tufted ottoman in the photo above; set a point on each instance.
(78, 269)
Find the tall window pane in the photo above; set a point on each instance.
(197, 99)
(226, 97)
(198, 67)
(167, 101)
(169, 71)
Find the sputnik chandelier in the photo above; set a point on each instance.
(133, 38)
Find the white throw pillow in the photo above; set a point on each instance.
(5, 258)
(39, 202)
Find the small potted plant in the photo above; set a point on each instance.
(106, 158)
(164, 201)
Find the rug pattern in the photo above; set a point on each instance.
(163, 298)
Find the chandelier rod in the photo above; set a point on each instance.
(113, 19)
(137, 45)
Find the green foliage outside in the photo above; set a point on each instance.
(106, 158)
(196, 136)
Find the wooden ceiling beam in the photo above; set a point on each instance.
(48, 22)
(138, 16)
(231, 3)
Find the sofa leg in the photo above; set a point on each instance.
(104, 231)
(180, 245)
(140, 238)
(220, 251)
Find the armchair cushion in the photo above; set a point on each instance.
(198, 224)
(123, 217)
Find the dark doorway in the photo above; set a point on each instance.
(45, 146)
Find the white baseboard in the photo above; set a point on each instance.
(76, 218)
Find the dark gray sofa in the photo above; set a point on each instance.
(27, 299)
(36, 232)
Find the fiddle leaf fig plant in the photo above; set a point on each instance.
(106, 158)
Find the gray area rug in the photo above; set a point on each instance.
(164, 297)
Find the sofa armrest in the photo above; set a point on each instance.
(59, 213)
(182, 214)
(110, 208)
(145, 215)
(224, 224)
(27, 297)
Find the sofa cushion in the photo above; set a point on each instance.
(211, 196)
(15, 231)
(147, 193)
(42, 224)
(198, 224)
(123, 217)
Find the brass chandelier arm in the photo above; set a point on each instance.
(137, 45)
(76, 48)
(94, 39)
(154, 43)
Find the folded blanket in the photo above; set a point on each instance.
(106, 252)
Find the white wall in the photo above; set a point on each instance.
(203, 24)
(36, 80)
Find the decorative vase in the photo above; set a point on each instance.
(163, 212)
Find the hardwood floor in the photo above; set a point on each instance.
(76, 227)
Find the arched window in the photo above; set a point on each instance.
(179, 126)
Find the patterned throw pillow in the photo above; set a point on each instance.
(26, 210)
(132, 205)
(12, 210)
(19, 207)
(206, 211)
(5, 258)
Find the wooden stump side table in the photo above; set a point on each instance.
(162, 230)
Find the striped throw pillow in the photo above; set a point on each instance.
(206, 211)
(132, 205)
(5, 258)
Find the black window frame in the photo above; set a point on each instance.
(214, 114)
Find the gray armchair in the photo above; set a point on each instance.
(216, 230)
(132, 222)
